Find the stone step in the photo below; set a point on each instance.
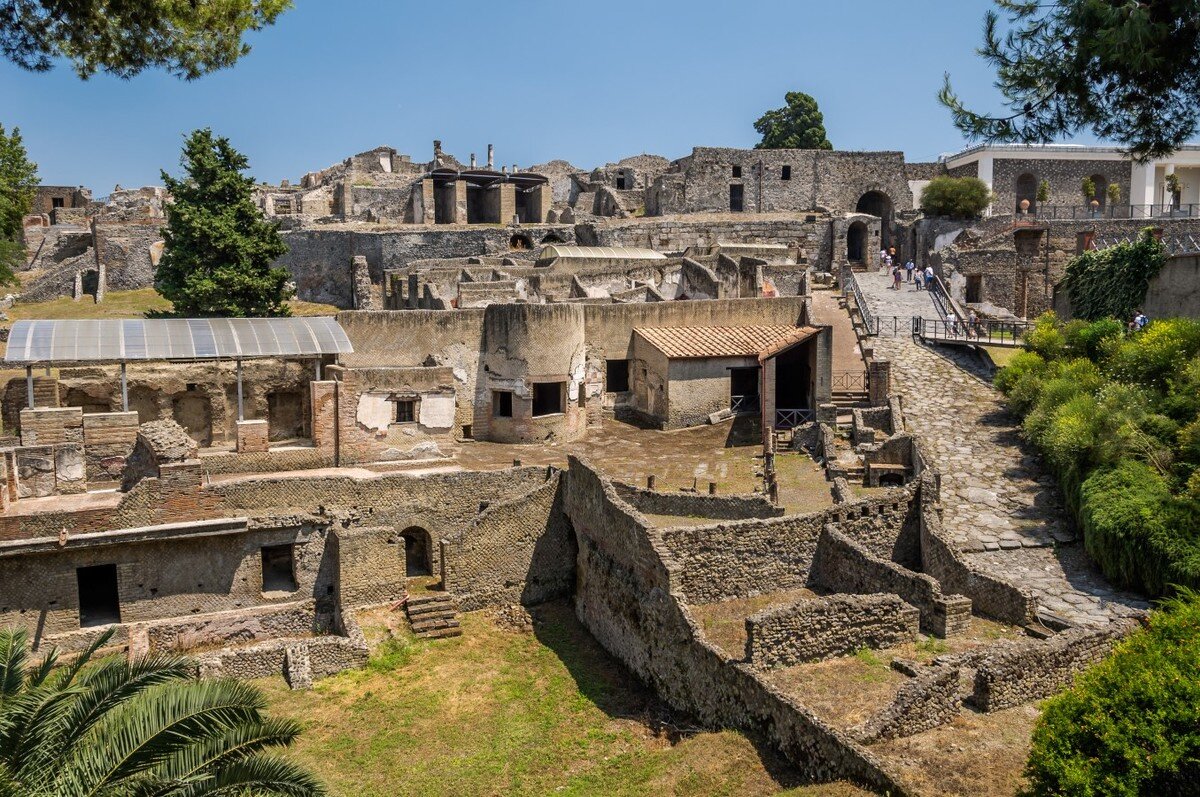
(426, 612)
(423, 626)
(423, 599)
(441, 633)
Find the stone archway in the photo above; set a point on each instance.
(1026, 188)
(418, 554)
(879, 204)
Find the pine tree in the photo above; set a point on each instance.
(218, 247)
(18, 183)
(798, 125)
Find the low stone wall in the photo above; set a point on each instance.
(928, 701)
(842, 565)
(300, 661)
(520, 550)
(1026, 671)
(628, 596)
(820, 628)
(989, 595)
(228, 628)
(681, 504)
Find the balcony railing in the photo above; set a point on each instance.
(745, 404)
(992, 333)
(1081, 212)
(790, 419)
(849, 381)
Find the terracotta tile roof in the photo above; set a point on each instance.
(679, 342)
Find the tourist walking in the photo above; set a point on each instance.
(882, 260)
(896, 277)
(908, 270)
(929, 278)
(919, 279)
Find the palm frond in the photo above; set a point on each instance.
(260, 775)
(67, 674)
(146, 731)
(14, 653)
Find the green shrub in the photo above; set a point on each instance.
(1157, 353)
(1021, 380)
(960, 197)
(1130, 726)
(1046, 338)
(1129, 520)
(1092, 339)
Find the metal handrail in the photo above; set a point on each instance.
(1169, 210)
(992, 333)
(790, 419)
(869, 322)
(849, 380)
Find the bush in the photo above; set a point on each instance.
(1046, 338)
(1136, 530)
(1093, 340)
(1130, 726)
(1112, 282)
(1157, 353)
(958, 197)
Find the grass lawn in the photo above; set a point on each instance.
(125, 304)
(504, 712)
(1002, 355)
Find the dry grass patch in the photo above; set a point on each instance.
(976, 755)
(843, 691)
(498, 712)
(724, 622)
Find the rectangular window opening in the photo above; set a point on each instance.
(501, 403)
(787, 173)
(548, 398)
(406, 411)
(99, 599)
(737, 171)
(57, 202)
(278, 568)
(616, 376)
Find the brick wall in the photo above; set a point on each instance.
(821, 628)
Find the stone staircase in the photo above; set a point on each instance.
(432, 615)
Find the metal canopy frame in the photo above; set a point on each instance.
(45, 342)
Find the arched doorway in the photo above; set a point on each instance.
(877, 203)
(856, 242)
(1100, 182)
(417, 555)
(1026, 188)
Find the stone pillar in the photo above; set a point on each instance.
(101, 282)
(427, 203)
(460, 202)
(508, 202)
(251, 436)
(879, 378)
(360, 282)
(324, 397)
(413, 299)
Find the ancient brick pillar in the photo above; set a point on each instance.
(879, 378)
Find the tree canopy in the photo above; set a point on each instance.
(18, 183)
(219, 250)
(1126, 70)
(797, 125)
(124, 37)
(960, 197)
(144, 727)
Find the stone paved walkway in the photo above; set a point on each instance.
(1002, 509)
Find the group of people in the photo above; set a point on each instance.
(908, 272)
(1138, 322)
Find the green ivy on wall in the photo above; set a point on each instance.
(1112, 282)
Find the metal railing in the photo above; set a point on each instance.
(790, 419)
(991, 333)
(1181, 244)
(869, 321)
(1169, 211)
(750, 403)
(850, 381)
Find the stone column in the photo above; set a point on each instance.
(879, 377)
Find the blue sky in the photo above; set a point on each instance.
(591, 82)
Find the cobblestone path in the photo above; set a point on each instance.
(1004, 511)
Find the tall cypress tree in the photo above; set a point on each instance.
(18, 183)
(218, 247)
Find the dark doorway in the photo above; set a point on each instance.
(444, 203)
(520, 241)
(278, 568)
(99, 598)
(616, 376)
(417, 561)
(90, 282)
(856, 242)
(737, 195)
(502, 403)
(547, 398)
(743, 389)
(193, 412)
(877, 203)
(974, 292)
(793, 378)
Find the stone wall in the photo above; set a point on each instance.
(928, 701)
(821, 628)
(681, 504)
(1064, 176)
(521, 550)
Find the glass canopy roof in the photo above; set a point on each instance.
(122, 340)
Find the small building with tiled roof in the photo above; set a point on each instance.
(686, 375)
